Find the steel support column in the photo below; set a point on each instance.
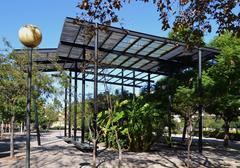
(95, 83)
(83, 101)
(149, 83)
(75, 105)
(65, 111)
(170, 119)
(134, 85)
(70, 106)
(169, 116)
(122, 89)
(200, 95)
(169, 112)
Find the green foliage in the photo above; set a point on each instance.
(13, 84)
(135, 121)
(184, 102)
(221, 82)
(139, 122)
(187, 35)
(213, 123)
(236, 124)
(220, 135)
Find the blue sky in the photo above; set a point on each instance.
(49, 16)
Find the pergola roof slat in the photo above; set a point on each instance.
(119, 49)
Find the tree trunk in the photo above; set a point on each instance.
(94, 165)
(12, 136)
(119, 150)
(184, 130)
(189, 163)
(21, 128)
(2, 130)
(226, 133)
(107, 142)
(9, 128)
(36, 122)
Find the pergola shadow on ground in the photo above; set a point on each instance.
(103, 54)
(61, 154)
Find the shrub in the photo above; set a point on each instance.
(220, 135)
(135, 122)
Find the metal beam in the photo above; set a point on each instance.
(154, 50)
(116, 75)
(103, 65)
(152, 77)
(100, 81)
(105, 39)
(148, 44)
(139, 34)
(112, 47)
(119, 77)
(74, 42)
(173, 63)
(127, 75)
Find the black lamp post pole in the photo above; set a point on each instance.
(28, 112)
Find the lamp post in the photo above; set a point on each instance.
(30, 36)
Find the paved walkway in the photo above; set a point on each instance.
(60, 154)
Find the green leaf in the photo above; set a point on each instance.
(118, 116)
(124, 131)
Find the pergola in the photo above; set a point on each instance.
(102, 53)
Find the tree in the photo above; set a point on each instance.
(195, 16)
(185, 104)
(13, 90)
(184, 34)
(13, 87)
(51, 113)
(221, 81)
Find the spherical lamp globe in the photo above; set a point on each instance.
(30, 35)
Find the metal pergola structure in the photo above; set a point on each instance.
(103, 53)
